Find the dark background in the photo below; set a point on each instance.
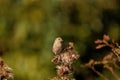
(29, 27)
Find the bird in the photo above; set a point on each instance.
(57, 46)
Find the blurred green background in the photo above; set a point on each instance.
(29, 27)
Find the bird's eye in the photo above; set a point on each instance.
(59, 39)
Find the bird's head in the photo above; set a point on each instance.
(59, 39)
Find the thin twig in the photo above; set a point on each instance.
(99, 73)
(112, 71)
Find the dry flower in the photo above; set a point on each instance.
(106, 37)
(108, 60)
(64, 62)
(5, 71)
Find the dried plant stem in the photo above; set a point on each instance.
(5, 71)
(115, 65)
(112, 71)
(99, 73)
(64, 60)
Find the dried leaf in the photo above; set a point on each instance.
(100, 46)
(98, 41)
(106, 37)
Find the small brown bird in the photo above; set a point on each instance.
(57, 46)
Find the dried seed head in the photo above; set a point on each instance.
(106, 37)
(98, 41)
(108, 57)
(5, 71)
(100, 46)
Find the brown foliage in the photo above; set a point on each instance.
(64, 62)
(5, 71)
(109, 61)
